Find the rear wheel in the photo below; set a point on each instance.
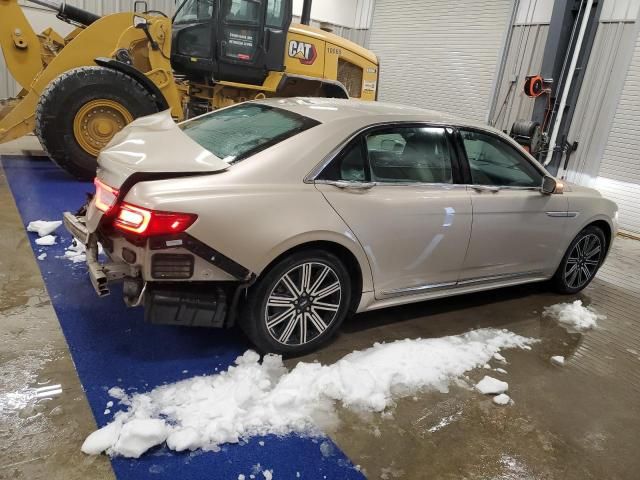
(80, 111)
(581, 261)
(298, 305)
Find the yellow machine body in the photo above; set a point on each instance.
(313, 59)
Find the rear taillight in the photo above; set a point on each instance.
(105, 197)
(145, 222)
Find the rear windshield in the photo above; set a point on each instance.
(238, 132)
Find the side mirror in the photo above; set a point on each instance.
(550, 185)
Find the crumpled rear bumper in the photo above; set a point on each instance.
(101, 274)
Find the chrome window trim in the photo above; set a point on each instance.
(444, 186)
(497, 188)
(317, 170)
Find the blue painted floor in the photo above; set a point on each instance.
(112, 346)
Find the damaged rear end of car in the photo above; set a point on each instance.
(153, 186)
(149, 250)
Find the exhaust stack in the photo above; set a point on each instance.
(305, 19)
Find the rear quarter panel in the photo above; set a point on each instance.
(252, 224)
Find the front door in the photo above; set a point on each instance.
(516, 230)
(395, 188)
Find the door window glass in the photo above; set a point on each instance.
(275, 13)
(407, 154)
(494, 162)
(350, 165)
(194, 11)
(241, 11)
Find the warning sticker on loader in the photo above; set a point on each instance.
(305, 52)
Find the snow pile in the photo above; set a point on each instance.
(574, 315)
(491, 386)
(43, 227)
(558, 360)
(42, 256)
(253, 398)
(46, 241)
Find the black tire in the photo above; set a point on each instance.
(66, 95)
(567, 278)
(255, 311)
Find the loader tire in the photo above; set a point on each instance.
(80, 111)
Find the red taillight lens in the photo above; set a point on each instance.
(142, 221)
(105, 197)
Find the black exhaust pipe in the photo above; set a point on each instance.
(68, 13)
(305, 19)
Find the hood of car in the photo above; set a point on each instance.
(154, 145)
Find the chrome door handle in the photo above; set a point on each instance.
(485, 188)
(345, 185)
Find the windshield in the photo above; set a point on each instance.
(238, 132)
(194, 10)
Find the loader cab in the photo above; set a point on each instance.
(232, 40)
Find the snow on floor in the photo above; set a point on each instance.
(574, 315)
(253, 398)
(43, 227)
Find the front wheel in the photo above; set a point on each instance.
(81, 110)
(581, 261)
(298, 305)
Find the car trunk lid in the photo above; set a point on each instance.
(149, 148)
(154, 146)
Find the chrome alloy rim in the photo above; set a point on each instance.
(303, 304)
(583, 261)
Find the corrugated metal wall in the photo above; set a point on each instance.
(41, 18)
(606, 124)
(440, 55)
(523, 57)
(357, 35)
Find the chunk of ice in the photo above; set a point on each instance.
(491, 386)
(47, 240)
(502, 399)
(43, 227)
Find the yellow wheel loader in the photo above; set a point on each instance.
(79, 90)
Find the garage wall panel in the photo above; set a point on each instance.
(606, 123)
(440, 55)
(619, 176)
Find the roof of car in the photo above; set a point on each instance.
(331, 109)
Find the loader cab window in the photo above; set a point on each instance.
(275, 13)
(246, 11)
(194, 11)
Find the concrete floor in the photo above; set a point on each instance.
(581, 421)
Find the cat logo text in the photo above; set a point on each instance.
(305, 52)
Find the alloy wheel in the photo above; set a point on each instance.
(303, 303)
(583, 261)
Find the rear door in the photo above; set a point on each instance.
(395, 187)
(517, 230)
